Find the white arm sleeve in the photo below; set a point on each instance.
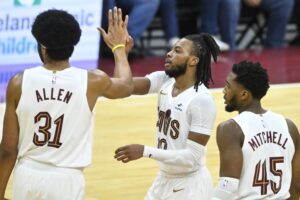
(202, 113)
(188, 157)
(227, 188)
(156, 81)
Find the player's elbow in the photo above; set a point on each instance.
(126, 92)
(129, 90)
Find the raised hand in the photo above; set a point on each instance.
(129, 44)
(117, 33)
(129, 152)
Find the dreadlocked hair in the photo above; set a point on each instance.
(204, 47)
(253, 77)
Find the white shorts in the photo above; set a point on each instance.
(198, 185)
(37, 181)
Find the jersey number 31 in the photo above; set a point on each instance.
(40, 140)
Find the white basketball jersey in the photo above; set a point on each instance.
(177, 116)
(54, 117)
(268, 151)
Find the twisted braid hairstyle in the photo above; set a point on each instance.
(204, 47)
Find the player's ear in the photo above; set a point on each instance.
(244, 94)
(193, 61)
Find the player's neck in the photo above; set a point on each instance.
(183, 82)
(57, 65)
(254, 107)
(181, 85)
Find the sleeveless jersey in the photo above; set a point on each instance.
(177, 116)
(54, 117)
(268, 151)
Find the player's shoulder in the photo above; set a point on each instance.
(96, 74)
(14, 87)
(202, 95)
(228, 126)
(292, 129)
(16, 80)
(98, 79)
(158, 76)
(230, 123)
(229, 132)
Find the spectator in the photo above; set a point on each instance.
(228, 12)
(167, 12)
(223, 14)
(279, 13)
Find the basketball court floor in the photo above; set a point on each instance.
(132, 120)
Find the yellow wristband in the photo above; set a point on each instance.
(117, 46)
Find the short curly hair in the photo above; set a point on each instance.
(253, 77)
(58, 31)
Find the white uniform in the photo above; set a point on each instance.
(55, 138)
(268, 151)
(177, 116)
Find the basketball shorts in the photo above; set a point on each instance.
(197, 185)
(37, 181)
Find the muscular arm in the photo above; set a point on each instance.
(187, 157)
(229, 141)
(295, 184)
(141, 85)
(121, 84)
(150, 84)
(9, 143)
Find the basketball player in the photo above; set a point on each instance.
(186, 114)
(259, 149)
(48, 117)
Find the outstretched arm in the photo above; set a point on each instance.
(187, 157)
(9, 143)
(115, 38)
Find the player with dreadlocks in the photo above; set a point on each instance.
(186, 114)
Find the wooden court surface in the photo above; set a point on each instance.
(132, 120)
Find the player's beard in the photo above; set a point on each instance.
(40, 53)
(176, 71)
(231, 105)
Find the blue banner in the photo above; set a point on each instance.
(18, 48)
